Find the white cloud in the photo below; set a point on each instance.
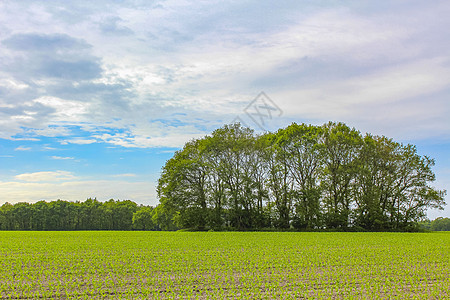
(64, 110)
(383, 86)
(54, 131)
(144, 141)
(22, 148)
(46, 176)
(142, 192)
(62, 157)
(11, 83)
(78, 141)
(124, 175)
(48, 148)
(24, 139)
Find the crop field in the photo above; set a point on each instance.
(230, 265)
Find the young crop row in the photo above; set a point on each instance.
(208, 265)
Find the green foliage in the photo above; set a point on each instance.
(223, 265)
(304, 177)
(439, 224)
(88, 215)
(143, 219)
(163, 217)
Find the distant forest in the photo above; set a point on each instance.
(302, 177)
(88, 215)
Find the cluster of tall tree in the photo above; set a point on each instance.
(88, 215)
(302, 177)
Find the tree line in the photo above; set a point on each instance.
(439, 224)
(302, 177)
(111, 215)
(88, 215)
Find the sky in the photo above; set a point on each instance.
(95, 96)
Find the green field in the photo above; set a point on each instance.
(214, 265)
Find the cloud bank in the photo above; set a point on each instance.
(126, 66)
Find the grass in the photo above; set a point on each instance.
(218, 265)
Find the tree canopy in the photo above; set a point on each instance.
(303, 177)
(439, 224)
(88, 215)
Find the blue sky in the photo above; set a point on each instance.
(96, 95)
